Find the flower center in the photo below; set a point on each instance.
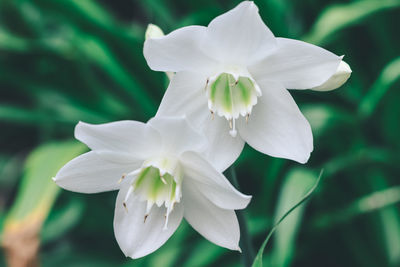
(231, 96)
(157, 182)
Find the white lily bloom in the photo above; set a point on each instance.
(238, 71)
(161, 177)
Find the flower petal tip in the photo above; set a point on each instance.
(341, 75)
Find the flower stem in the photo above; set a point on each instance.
(245, 239)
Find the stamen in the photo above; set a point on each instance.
(212, 114)
(169, 209)
(145, 218)
(128, 194)
(208, 80)
(232, 132)
(230, 124)
(163, 179)
(149, 206)
(247, 117)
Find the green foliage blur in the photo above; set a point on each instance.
(81, 60)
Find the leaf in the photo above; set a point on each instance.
(372, 202)
(324, 117)
(36, 195)
(338, 17)
(389, 75)
(63, 219)
(258, 260)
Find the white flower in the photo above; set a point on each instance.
(239, 71)
(161, 177)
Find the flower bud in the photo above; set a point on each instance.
(342, 74)
(153, 31)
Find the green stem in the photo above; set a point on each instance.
(245, 243)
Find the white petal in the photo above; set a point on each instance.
(239, 36)
(90, 173)
(219, 226)
(211, 183)
(297, 65)
(178, 51)
(186, 96)
(136, 236)
(224, 149)
(341, 75)
(120, 141)
(178, 135)
(276, 126)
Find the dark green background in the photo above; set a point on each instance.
(71, 60)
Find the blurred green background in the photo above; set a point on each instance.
(71, 60)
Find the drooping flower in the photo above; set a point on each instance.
(161, 176)
(232, 78)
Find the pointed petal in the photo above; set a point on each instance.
(239, 35)
(136, 236)
(186, 96)
(276, 126)
(218, 225)
(178, 51)
(120, 141)
(297, 65)
(90, 173)
(211, 183)
(178, 135)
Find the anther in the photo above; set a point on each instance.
(163, 179)
(230, 123)
(124, 204)
(122, 178)
(145, 218)
(212, 114)
(205, 87)
(247, 117)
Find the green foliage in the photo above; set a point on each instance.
(296, 185)
(67, 61)
(37, 192)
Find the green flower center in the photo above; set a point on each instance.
(158, 182)
(230, 98)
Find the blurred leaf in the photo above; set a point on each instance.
(323, 117)
(35, 197)
(364, 155)
(366, 204)
(10, 42)
(294, 184)
(21, 115)
(204, 254)
(340, 16)
(62, 220)
(389, 75)
(390, 219)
